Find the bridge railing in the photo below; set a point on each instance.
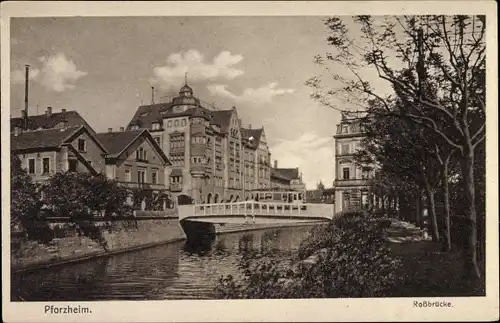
(252, 209)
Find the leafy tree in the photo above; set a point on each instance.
(434, 65)
(25, 204)
(82, 197)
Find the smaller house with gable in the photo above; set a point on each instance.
(45, 152)
(135, 160)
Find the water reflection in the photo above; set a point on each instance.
(173, 271)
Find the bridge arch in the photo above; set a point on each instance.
(237, 198)
(230, 198)
(216, 198)
(209, 198)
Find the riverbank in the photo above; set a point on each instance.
(124, 236)
(68, 246)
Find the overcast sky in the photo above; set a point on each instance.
(104, 68)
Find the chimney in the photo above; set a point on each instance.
(48, 113)
(275, 163)
(63, 110)
(110, 129)
(121, 129)
(26, 97)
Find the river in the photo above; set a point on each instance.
(170, 271)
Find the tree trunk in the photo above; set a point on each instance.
(446, 202)
(471, 266)
(432, 213)
(418, 210)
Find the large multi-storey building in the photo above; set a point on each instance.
(214, 158)
(352, 182)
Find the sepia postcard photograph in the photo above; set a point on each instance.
(186, 161)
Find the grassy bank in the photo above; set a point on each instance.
(426, 271)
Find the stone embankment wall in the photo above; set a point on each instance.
(68, 246)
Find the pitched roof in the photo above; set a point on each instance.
(117, 142)
(222, 118)
(252, 133)
(146, 115)
(285, 173)
(44, 121)
(41, 139)
(176, 172)
(277, 174)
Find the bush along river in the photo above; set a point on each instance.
(180, 270)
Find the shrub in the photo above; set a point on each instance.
(346, 258)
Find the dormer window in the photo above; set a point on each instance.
(156, 126)
(134, 127)
(144, 114)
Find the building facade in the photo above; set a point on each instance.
(134, 159)
(213, 157)
(352, 183)
(289, 179)
(46, 152)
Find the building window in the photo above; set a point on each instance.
(345, 129)
(141, 176)
(158, 140)
(73, 165)
(31, 166)
(345, 173)
(156, 126)
(45, 165)
(154, 177)
(183, 122)
(141, 154)
(344, 149)
(175, 179)
(81, 145)
(169, 124)
(176, 123)
(128, 178)
(366, 173)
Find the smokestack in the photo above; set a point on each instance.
(110, 129)
(48, 113)
(152, 95)
(122, 129)
(275, 163)
(26, 97)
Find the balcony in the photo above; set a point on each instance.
(353, 182)
(175, 187)
(175, 149)
(142, 185)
